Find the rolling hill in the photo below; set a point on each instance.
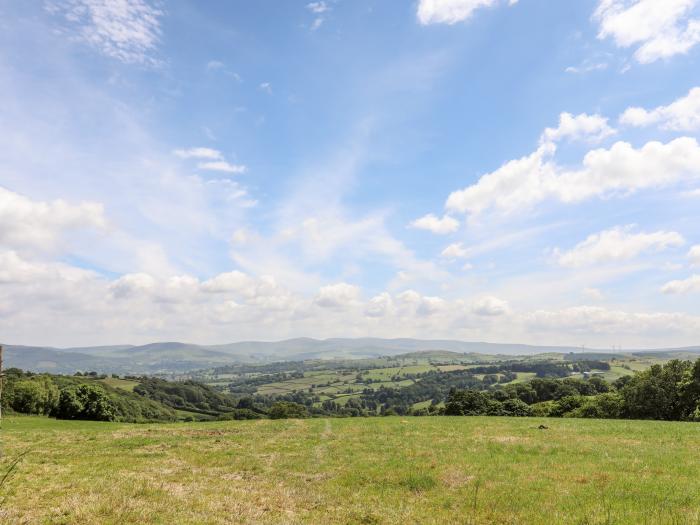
(177, 357)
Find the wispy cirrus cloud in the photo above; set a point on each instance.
(126, 30)
(212, 160)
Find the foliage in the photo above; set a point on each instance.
(84, 402)
(288, 410)
(663, 392)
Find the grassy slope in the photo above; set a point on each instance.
(381, 470)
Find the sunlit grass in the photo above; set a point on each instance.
(375, 470)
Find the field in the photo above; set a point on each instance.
(340, 380)
(371, 470)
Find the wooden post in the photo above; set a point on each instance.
(1, 379)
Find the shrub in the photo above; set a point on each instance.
(515, 407)
(84, 402)
(288, 410)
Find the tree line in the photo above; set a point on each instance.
(669, 392)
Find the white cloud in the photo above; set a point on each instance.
(436, 225)
(317, 7)
(213, 160)
(681, 115)
(587, 321)
(691, 284)
(622, 169)
(127, 30)
(694, 255)
(132, 284)
(25, 223)
(199, 153)
(617, 244)
(592, 128)
(265, 87)
(337, 295)
(451, 11)
(430, 306)
(587, 67)
(222, 165)
(379, 306)
(658, 28)
(234, 281)
(455, 251)
(217, 65)
(490, 306)
(594, 294)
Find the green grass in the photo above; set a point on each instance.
(377, 470)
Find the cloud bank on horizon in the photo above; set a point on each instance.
(494, 170)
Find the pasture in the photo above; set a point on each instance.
(374, 470)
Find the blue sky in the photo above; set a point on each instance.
(515, 171)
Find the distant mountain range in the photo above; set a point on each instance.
(174, 357)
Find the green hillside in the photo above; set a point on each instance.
(378, 470)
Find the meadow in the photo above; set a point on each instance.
(471, 470)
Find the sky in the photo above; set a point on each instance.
(486, 170)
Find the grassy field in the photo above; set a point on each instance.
(378, 470)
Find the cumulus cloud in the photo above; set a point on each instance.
(591, 320)
(657, 28)
(691, 284)
(622, 169)
(234, 281)
(25, 223)
(430, 306)
(592, 128)
(337, 295)
(452, 11)
(127, 30)
(439, 226)
(617, 244)
(490, 306)
(133, 284)
(694, 255)
(379, 305)
(681, 115)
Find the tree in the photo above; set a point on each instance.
(515, 407)
(85, 402)
(603, 406)
(656, 393)
(566, 405)
(288, 410)
(466, 403)
(33, 396)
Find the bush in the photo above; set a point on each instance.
(88, 402)
(288, 410)
(33, 396)
(469, 403)
(543, 409)
(566, 405)
(517, 408)
(603, 406)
